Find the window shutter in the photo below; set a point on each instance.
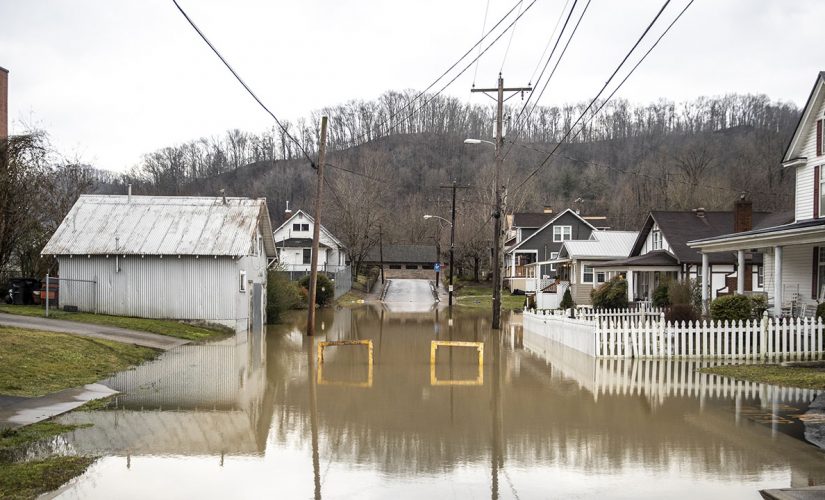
(816, 190)
(818, 137)
(815, 273)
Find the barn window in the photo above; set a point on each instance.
(242, 287)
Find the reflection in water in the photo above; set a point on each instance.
(246, 418)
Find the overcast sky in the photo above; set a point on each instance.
(111, 80)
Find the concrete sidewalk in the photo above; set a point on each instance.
(116, 334)
(15, 412)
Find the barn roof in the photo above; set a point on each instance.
(162, 225)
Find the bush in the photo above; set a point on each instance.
(820, 311)
(681, 292)
(731, 308)
(661, 297)
(681, 312)
(610, 295)
(759, 304)
(324, 289)
(281, 295)
(567, 301)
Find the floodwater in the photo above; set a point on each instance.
(260, 417)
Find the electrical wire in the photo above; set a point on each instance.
(241, 81)
(590, 105)
(549, 42)
(483, 27)
(506, 51)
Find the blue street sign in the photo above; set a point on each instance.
(437, 267)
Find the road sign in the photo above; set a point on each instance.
(437, 267)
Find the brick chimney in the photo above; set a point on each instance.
(4, 103)
(742, 215)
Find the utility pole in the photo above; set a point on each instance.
(316, 230)
(497, 213)
(381, 250)
(453, 187)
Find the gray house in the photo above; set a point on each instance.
(188, 258)
(543, 244)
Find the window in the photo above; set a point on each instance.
(307, 256)
(587, 274)
(553, 256)
(395, 266)
(760, 276)
(601, 276)
(304, 227)
(562, 233)
(656, 237)
(296, 227)
(411, 266)
(242, 284)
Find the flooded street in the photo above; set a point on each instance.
(260, 417)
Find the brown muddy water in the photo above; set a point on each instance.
(254, 417)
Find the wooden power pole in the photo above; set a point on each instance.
(453, 187)
(316, 230)
(497, 213)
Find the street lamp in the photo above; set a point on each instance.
(452, 250)
(497, 215)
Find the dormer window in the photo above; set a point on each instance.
(656, 238)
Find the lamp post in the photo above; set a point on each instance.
(497, 216)
(452, 249)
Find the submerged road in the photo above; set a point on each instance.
(409, 295)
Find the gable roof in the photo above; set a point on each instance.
(805, 119)
(311, 219)
(403, 253)
(679, 227)
(656, 258)
(602, 245)
(550, 222)
(162, 225)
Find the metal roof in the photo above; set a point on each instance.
(162, 225)
(603, 244)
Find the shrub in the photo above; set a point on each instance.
(759, 304)
(281, 295)
(681, 292)
(324, 289)
(681, 312)
(661, 296)
(820, 311)
(610, 295)
(567, 301)
(731, 308)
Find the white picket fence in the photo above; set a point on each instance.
(646, 335)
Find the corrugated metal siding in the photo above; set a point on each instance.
(796, 270)
(153, 287)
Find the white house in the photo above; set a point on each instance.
(293, 240)
(188, 258)
(794, 255)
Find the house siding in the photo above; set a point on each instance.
(796, 270)
(648, 244)
(804, 200)
(544, 240)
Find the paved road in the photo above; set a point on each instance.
(97, 331)
(409, 295)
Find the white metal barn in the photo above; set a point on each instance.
(192, 258)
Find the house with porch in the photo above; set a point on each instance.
(661, 252)
(531, 245)
(293, 240)
(794, 250)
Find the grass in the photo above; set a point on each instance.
(25, 480)
(480, 295)
(786, 376)
(33, 363)
(16, 438)
(171, 328)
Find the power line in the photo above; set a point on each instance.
(590, 105)
(507, 51)
(483, 27)
(549, 42)
(240, 80)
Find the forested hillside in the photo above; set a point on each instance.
(386, 163)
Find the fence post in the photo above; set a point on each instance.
(763, 336)
(48, 291)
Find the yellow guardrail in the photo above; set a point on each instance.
(435, 344)
(323, 345)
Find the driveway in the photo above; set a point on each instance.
(409, 295)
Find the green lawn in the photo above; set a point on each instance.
(171, 328)
(787, 376)
(480, 295)
(28, 480)
(34, 363)
(17, 438)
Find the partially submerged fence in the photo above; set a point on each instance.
(635, 334)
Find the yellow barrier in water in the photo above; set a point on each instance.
(435, 344)
(323, 345)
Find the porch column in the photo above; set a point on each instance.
(513, 264)
(705, 283)
(740, 272)
(777, 281)
(631, 287)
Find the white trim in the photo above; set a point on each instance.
(325, 230)
(803, 123)
(542, 228)
(561, 233)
